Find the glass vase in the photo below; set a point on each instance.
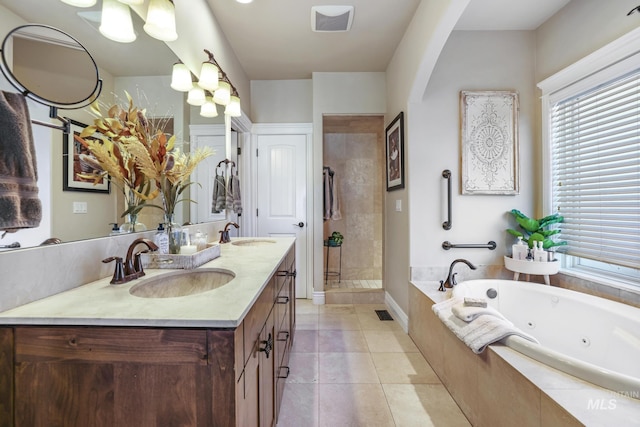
(174, 230)
(132, 225)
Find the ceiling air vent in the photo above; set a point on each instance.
(331, 18)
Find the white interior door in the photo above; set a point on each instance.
(282, 195)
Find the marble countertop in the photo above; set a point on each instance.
(101, 304)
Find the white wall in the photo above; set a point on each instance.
(580, 28)
(472, 61)
(282, 101)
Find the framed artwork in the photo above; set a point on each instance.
(395, 153)
(77, 160)
(489, 142)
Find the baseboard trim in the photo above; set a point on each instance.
(400, 316)
(318, 298)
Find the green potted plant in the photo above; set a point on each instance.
(335, 239)
(536, 229)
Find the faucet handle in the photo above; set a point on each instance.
(137, 263)
(118, 273)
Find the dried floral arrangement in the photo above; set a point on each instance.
(138, 156)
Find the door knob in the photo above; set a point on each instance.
(300, 224)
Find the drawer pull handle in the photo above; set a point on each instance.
(287, 374)
(283, 299)
(268, 346)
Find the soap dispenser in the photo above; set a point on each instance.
(539, 253)
(519, 250)
(115, 230)
(161, 239)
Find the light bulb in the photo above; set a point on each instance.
(208, 76)
(116, 22)
(233, 108)
(196, 96)
(209, 108)
(132, 2)
(181, 77)
(222, 95)
(161, 20)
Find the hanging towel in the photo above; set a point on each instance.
(234, 200)
(335, 204)
(219, 194)
(331, 202)
(20, 206)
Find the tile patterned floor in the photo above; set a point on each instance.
(348, 368)
(353, 284)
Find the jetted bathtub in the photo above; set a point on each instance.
(592, 338)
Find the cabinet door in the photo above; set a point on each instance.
(111, 377)
(267, 370)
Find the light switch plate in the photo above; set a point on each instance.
(79, 207)
(398, 205)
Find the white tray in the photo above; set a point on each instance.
(531, 267)
(177, 261)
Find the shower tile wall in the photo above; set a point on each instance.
(353, 149)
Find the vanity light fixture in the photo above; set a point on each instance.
(161, 20)
(196, 96)
(233, 107)
(209, 108)
(213, 80)
(116, 22)
(209, 71)
(181, 77)
(222, 95)
(80, 3)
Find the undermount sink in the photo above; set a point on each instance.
(181, 283)
(252, 242)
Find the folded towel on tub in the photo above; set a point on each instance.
(470, 313)
(20, 206)
(477, 334)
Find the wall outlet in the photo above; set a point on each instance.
(79, 207)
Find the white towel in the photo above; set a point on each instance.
(479, 333)
(335, 202)
(469, 313)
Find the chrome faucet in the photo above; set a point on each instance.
(224, 234)
(131, 268)
(451, 277)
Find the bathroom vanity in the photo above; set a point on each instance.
(98, 355)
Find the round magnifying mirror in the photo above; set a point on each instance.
(49, 66)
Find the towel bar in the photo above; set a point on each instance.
(446, 245)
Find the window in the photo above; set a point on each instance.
(593, 167)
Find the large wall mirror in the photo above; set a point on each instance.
(142, 68)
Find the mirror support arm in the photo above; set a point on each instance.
(65, 127)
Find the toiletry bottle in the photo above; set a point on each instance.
(161, 239)
(539, 253)
(519, 250)
(115, 230)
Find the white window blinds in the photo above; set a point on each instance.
(595, 143)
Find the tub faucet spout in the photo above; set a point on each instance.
(450, 282)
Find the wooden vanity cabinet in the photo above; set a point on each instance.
(130, 376)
